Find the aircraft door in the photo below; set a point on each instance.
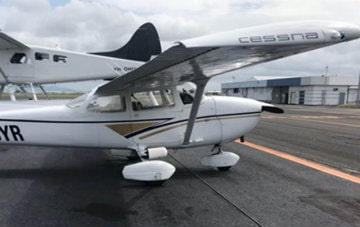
(151, 112)
(20, 67)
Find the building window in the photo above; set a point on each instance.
(41, 56)
(236, 90)
(302, 97)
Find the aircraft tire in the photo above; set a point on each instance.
(224, 168)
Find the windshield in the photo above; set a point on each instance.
(76, 103)
(113, 103)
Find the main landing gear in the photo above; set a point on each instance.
(155, 172)
(222, 160)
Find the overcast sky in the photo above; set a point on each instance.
(86, 25)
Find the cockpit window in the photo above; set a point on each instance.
(152, 99)
(114, 103)
(19, 58)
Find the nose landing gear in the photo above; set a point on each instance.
(222, 160)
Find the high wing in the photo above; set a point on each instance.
(199, 59)
(8, 43)
(180, 64)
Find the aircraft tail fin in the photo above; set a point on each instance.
(143, 44)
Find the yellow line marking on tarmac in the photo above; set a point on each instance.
(304, 162)
(313, 120)
(335, 123)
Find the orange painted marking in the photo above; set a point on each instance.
(304, 162)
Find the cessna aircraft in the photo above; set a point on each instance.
(151, 109)
(26, 65)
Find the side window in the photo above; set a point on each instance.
(59, 58)
(41, 56)
(152, 99)
(115, 103)
(19, 58)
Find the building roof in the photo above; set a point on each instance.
(294, 81)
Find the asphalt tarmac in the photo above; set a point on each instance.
(41, 186)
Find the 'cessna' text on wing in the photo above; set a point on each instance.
(280, 37)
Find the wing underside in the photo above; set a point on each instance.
(8, 43)
(180, 64)
(199, 59)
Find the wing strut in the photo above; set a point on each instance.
(200, 81)
(2, 87)
(43, 90)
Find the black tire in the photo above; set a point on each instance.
(133, 158)
(224, 168)
(155, 183)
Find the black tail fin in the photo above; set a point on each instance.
(143, 44)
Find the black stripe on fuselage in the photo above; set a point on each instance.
(165, 120)
(82, 122)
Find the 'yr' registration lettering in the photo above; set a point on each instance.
(10, 133)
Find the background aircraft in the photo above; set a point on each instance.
(147, 111)
(26, 65)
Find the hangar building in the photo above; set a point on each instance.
(322, 90)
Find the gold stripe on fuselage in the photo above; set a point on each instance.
(197, 121)
(127, 128)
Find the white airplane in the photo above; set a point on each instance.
(26, 65)
(149, 110)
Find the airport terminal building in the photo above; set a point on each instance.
(321, 90)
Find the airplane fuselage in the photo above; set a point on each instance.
(39, 65)
(219, 119)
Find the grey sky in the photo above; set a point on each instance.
(107, 24)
